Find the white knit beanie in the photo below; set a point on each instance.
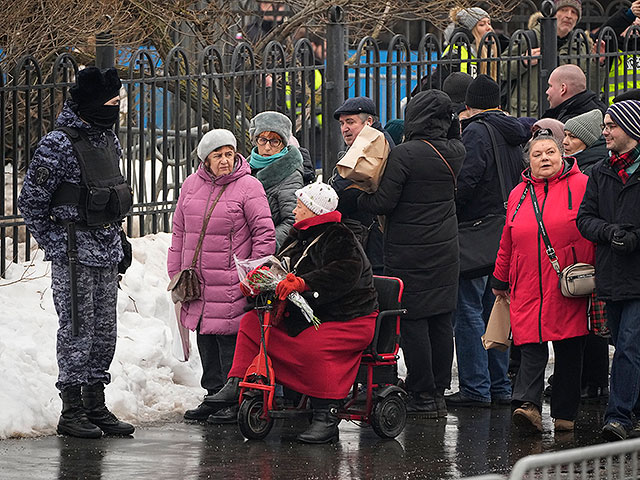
(214, 139)
(587, 126)
(319, 197)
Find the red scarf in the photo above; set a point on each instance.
(334, 216)
(621, 162)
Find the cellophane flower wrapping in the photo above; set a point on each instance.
(262, 275)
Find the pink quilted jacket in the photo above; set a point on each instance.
(240, 224)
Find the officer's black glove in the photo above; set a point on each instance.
(624, 242)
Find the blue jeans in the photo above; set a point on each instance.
(623, 319)
(482, 373)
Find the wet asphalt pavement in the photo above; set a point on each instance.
(468, 442)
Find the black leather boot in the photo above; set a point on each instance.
(201, 412)
(441, 405)
(99, 414)
(74, 421)
(224, 415)
(324, 426)
(227, 396)
(422, 405)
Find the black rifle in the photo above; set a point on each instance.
(72, 253)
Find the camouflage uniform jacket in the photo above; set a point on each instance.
(54, 162)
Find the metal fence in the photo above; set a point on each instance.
(171, 102)
(612, 461)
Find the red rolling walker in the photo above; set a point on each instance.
(381, 403)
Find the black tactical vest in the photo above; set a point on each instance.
(103, 196)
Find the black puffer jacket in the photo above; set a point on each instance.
(607, 201)
(580, 103)
(479, 191)
(417, 196)
(336, 269)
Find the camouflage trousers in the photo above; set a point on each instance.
(85, 359)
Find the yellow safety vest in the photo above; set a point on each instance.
(625, 63)
(317, 87)
(465, 67)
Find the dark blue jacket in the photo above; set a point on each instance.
(479, 192)
(54, 162)
(607, 201)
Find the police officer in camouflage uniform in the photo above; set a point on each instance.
(74, 183)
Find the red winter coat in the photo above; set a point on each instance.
(539, 311)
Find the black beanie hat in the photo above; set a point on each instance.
(456, 85)
(633, 94)
(95, 86)
(483, 93)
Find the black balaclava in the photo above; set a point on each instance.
(92, 89)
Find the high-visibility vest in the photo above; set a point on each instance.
(465, 67)
(317, 87)
(625, 63)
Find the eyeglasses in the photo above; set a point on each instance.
(607, 127)
(274, 142)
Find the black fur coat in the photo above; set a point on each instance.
(336, 271)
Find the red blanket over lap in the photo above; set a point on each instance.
(321, 363)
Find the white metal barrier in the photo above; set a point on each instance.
(608, 461)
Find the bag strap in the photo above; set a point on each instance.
(204, 227)
(306, 250)
(496, 155)
(453, 175)
(304, 253)
(551, 253)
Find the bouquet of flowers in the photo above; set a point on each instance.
(262, 275)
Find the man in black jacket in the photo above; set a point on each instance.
(609, 215)
(483, 374)
(353, 115)
(568, 95)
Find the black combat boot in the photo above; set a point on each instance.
(99, 414)
(324, 426)
(74, 421)
(227, 396)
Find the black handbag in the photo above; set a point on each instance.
(479, 242)
(479, 239)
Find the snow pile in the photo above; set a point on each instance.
(149, 382)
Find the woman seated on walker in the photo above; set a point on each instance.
(321, 363)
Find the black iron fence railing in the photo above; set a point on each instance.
(169, 103)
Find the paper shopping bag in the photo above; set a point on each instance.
(498, 333)
(366, 159)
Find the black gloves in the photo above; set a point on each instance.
(624, 241)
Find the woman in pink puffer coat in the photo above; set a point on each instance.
(240, 224)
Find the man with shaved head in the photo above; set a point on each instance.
(568, 95)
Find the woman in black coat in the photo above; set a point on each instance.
(330, 269)
(421, 243)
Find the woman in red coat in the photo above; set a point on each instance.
(524, 274)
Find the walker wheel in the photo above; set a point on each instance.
(250, 420)
(389, 416)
